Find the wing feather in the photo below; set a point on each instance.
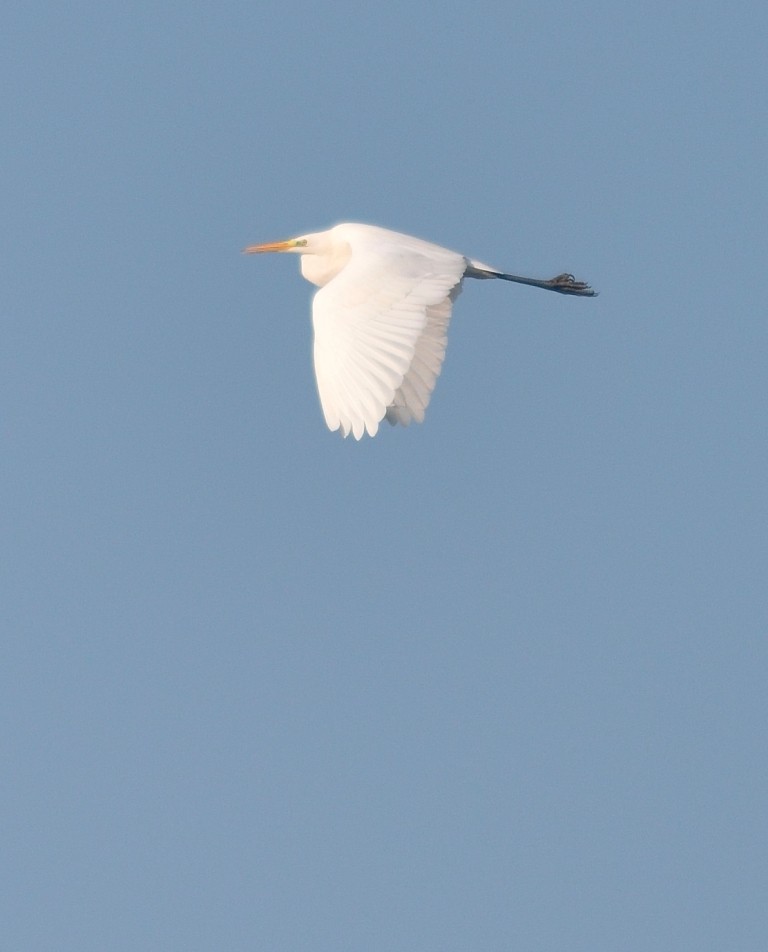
(425, 366)
(380, 331)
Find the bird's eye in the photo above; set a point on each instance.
(301, 243)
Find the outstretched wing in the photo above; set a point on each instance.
(380, 333)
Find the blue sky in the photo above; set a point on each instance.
(493, 682)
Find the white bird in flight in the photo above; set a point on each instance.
(381, 318)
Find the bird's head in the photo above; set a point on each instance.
(324, 254)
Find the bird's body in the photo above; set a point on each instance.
(381, 319)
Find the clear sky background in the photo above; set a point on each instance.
(491, 683)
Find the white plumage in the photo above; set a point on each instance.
(381, 319)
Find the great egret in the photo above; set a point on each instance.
(381, 318)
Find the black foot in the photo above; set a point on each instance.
(567, 284)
